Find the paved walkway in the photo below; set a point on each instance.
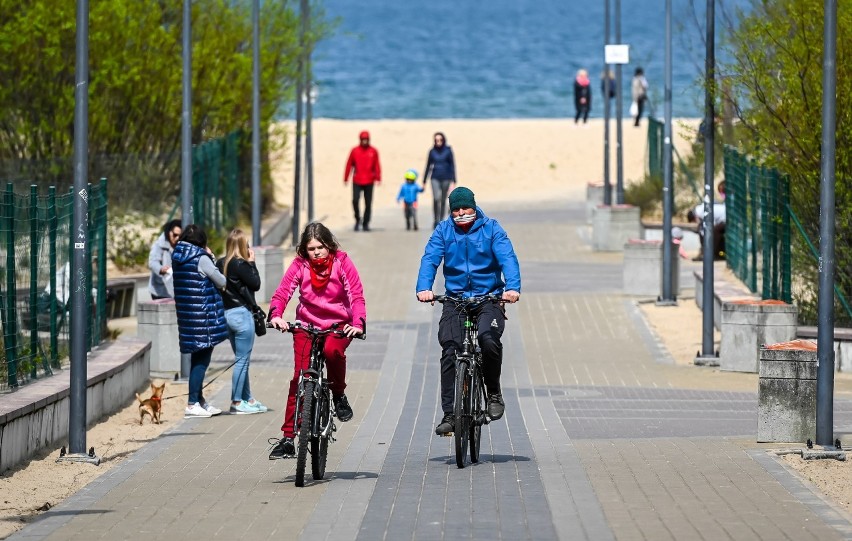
(603, 437)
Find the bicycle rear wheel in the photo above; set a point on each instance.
(461, 410)
(319, 444)
(477, 401)
(304, 432)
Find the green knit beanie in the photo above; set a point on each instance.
(462, 197)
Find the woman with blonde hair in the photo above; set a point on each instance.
(243, 281)
(582, 96)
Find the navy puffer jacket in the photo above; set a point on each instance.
(200, 312)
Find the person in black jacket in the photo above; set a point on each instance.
(441, 165)
(582, 96)
(243, 281)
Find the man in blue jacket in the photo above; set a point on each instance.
(478, 260)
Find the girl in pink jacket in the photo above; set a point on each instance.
(330, 292)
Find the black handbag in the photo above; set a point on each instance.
(257, 312)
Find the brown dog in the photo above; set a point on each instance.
(152, 406)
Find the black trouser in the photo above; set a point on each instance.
(640, 106)
(367, 189)
(490, 322)
(582, 111)
(410, 216)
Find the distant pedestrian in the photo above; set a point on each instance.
(441, 166)
(363, 165)
(200, 312)
(160, 285)
(608, 78)
(582, 96)
(639, 91)
(408, 193)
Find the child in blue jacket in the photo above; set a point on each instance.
(408, 193)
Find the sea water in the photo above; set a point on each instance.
(415, 59)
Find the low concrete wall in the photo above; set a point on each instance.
(786, 396)
(748, 325)
(722, 292)
(36, 416)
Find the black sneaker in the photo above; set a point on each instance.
(357, 226)
(285, 448)
(342, 408)
(447, 425)
(496, 406)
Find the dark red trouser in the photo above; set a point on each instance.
(335, 367)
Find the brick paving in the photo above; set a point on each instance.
(603, 437)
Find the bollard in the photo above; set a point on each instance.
(786, 396)
(748, 324)
(157, 322)
(613, 226)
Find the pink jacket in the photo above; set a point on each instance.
(340, 301)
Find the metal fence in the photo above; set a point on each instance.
(216, 182)
(656, 148)
(757, 230)
(35, 279)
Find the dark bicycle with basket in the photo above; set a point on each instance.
(470, 407)
(314, 419)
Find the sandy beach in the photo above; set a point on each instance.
(500, 160)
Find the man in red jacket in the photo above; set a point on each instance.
(363, 163)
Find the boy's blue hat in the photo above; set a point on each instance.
(462, 197)
(411, 174)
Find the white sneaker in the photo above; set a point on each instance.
(211, 409)
(196, 410)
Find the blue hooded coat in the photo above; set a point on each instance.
(476, 262)
(200, 312)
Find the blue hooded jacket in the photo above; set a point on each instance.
(200, 312)
(476, 262)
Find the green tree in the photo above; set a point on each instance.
(776, 74)
(135, 50)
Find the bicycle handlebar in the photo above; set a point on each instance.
(468, 300)
(316, 331)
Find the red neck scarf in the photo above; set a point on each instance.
(320, 271)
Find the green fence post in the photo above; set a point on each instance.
(786, 248)
(11, 330)
(754, 203)
(51, 228)
(34, 221)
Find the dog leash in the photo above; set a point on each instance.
(206, 384)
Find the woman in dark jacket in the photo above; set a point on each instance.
(441, 165)
(200, 312)
(582, 96)
(243, 281)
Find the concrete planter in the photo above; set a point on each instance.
(749, 324)
(157, 322)
(786, 397)
(613, 226)
(594, 198)
(643, 268)
(270, 265)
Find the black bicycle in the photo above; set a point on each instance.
(315, 413)
(470, 408)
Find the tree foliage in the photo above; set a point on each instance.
(776, 72)
(135, 79)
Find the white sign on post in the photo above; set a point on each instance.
(617, 54)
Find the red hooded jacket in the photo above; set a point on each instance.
(365, 163)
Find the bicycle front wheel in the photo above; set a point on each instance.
(304, 432)
(477, 400)
(319, 443)
(461, 410)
